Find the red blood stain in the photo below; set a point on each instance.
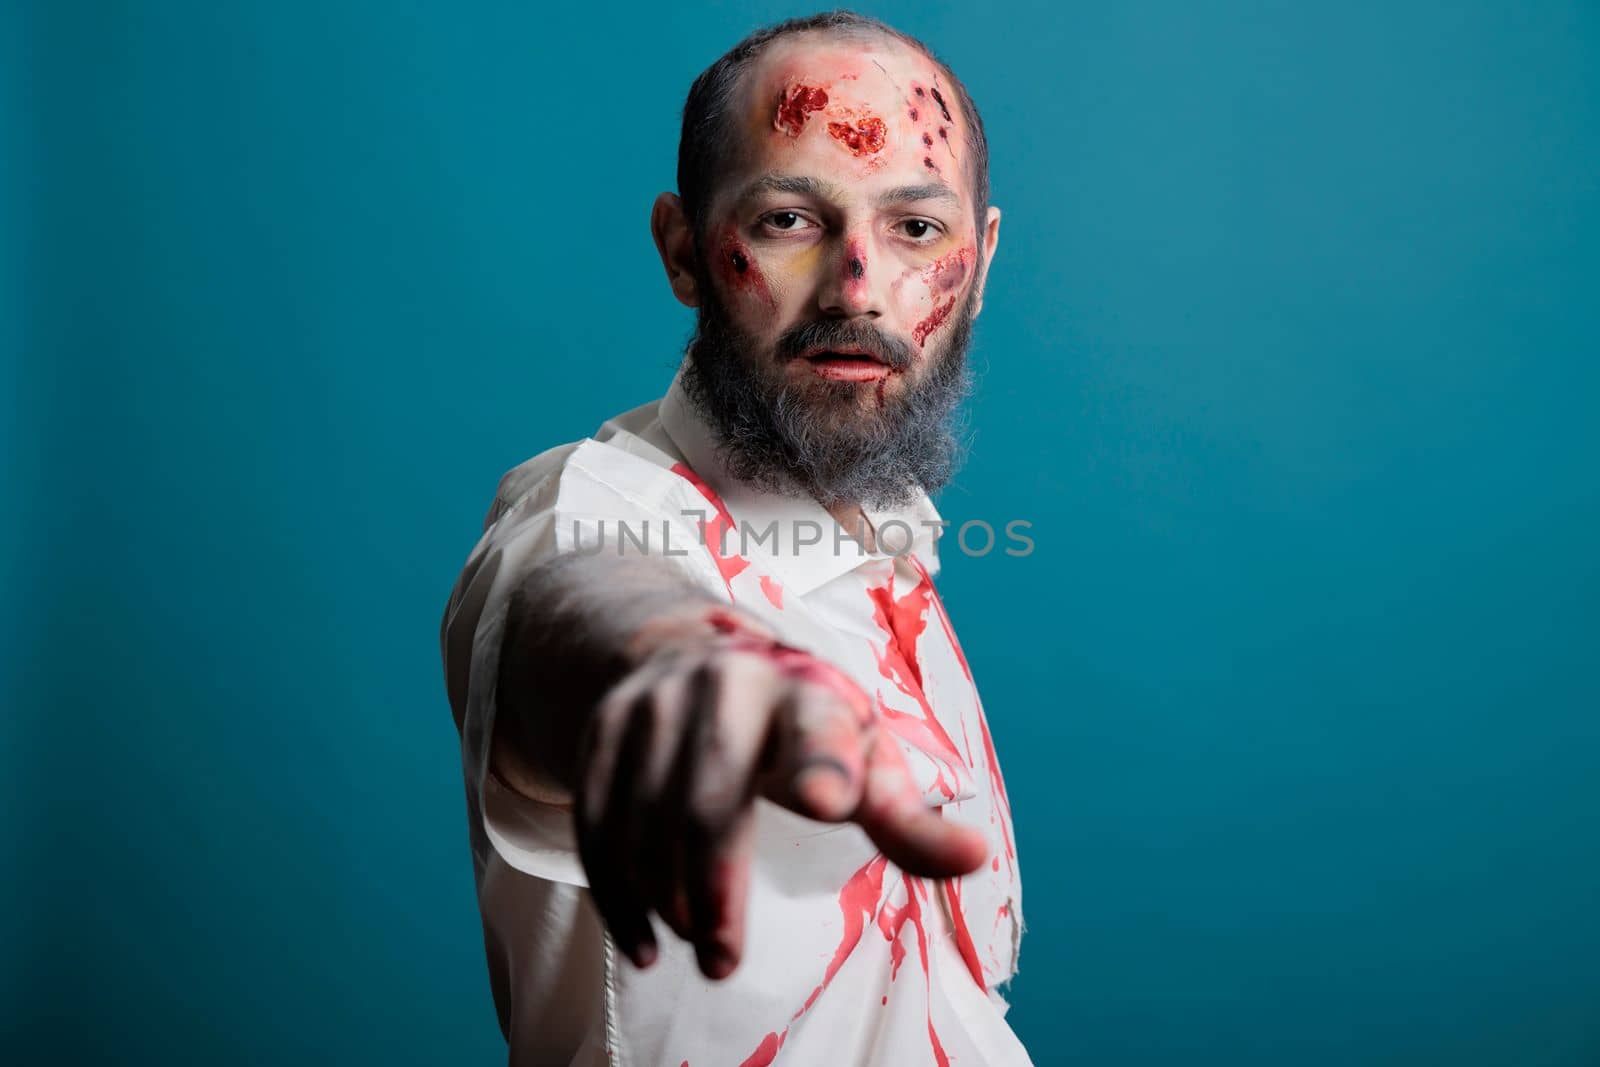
(958, 919)
(739, 270)
(773, 590)
(725, 622)
(790, 117)
(908, 615)
(943, 135)
(903, 621)
(862, 139)
(945, 274)
(932, 322)
(858, 900)
(797, 663)
(915, 732)
(927, 161)
(767, 1051)
(994, 864)
(913, 113)
(940, 101)
(714, 531)
(927, 139)
(996, 779)
(862, 899)
(919, 90)
(890, 921)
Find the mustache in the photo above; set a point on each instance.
(843, 333)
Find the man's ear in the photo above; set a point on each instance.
(669, 225)
(991, 241)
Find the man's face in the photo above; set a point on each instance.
(840, 267)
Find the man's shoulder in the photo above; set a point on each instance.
(630, 457)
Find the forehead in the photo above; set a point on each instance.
(877, 63)
(857, 110)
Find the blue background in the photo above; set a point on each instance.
(1289, 356)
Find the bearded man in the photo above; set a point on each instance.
(732, 796)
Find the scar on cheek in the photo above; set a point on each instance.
(793, 104)
(927, 161)
(937, 99)
(862, 139)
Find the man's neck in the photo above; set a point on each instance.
(855, 522)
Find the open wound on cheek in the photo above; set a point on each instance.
(932, 322)
(944, 276)
(739, 270)
(793, 105)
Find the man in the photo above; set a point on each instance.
(732, 796)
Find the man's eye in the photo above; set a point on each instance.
(917, 229)
(783, 220)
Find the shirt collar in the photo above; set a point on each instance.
(801, 568)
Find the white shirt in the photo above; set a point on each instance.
(847, 961)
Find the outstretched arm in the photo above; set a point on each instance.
(662, 714)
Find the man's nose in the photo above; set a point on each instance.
(849, 285)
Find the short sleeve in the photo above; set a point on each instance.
(587, 498)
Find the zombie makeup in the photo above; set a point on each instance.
(943, 276)
(931, 126)
(831, 341)
(794, 104)
(739, 270)
(851, 123)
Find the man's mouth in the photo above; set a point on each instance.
(848, 364)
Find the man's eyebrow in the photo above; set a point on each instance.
(910, 194)
(816, 188)
(799, 185)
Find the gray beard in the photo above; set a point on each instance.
(820, 439)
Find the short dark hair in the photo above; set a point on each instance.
(709, 132)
